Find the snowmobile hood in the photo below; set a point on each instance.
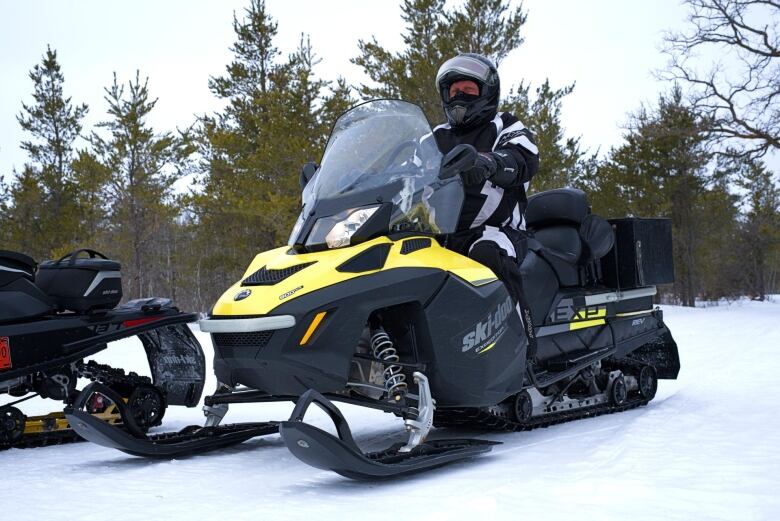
(278, 276)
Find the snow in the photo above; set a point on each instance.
(708, 447)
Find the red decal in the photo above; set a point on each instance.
(139, 321)
(5, 353)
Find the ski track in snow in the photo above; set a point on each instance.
(707, 447)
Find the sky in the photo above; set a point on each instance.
(610, 48)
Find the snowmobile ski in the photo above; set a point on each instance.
(191, 440)
(322, 450)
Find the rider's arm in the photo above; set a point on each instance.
(515, 153)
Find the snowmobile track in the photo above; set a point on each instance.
(484, 419)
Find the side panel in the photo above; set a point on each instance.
(478, 346)
(281, 365)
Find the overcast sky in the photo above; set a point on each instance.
(609, 47)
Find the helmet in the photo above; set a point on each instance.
(465, 110)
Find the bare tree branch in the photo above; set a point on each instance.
(740, 93)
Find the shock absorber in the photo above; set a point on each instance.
(382, 349)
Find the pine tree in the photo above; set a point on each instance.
(433, 35)
(143, 166)
(277, 117)
(43, 209)
(760, 231)
(561, 158)
(661, 171)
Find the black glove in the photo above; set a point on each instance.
(484, 168)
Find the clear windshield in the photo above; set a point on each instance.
(384, 151)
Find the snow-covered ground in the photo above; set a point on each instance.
(708, 447)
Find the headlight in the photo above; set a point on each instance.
(337, 230)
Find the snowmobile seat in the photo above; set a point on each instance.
(561, 246)
(20, 298)
(566, 234)
(540, 285)
(561, 206)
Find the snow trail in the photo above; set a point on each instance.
(707, 448)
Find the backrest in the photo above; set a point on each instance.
(569, 237)
(550, 214)
(561, 206)
(14, 266)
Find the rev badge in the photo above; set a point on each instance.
(5, 353)
(241, 295)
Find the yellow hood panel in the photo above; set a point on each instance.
(263, 299)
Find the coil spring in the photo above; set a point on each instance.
(382, 349)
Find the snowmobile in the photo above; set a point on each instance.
(55, 315)
(367, 306)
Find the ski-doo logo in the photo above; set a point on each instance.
(488, 330)
(5, 352)
(292, 291)
(241, 295)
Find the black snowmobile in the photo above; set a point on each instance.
(55, 315)
(366, 306)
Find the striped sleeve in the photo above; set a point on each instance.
(515, 133)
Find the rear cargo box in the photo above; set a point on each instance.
(81, 284)
(642, 255)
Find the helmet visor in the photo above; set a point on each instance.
(463, 66)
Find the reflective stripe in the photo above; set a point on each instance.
(495, 235)
(524, 142)
(503, 131)
(517, 219)
(521, 140)
(603, 298)
(246, 325)
(103, 275)
(6, 268)
(493, 195)
(499, 123)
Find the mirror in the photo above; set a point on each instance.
(307, 172)
(457, 160)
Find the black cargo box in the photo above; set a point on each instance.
(81, 284)
(642, 255)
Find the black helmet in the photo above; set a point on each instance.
(463, 110)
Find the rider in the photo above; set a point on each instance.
(491, 229)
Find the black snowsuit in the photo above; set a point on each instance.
(491, 229)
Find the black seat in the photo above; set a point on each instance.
(565, 239)
(568, 235)
(20, 298)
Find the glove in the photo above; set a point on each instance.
(484, 168)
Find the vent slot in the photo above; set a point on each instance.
(412, 245)
(266, 277)
(257, 339)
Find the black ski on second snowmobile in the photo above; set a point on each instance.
(54, 316)
(366, 306)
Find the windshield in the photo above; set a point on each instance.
(380, 152)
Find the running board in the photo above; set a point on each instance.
(342, 455)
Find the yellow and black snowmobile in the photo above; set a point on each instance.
(366, 306)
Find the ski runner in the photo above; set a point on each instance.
(491, 229)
